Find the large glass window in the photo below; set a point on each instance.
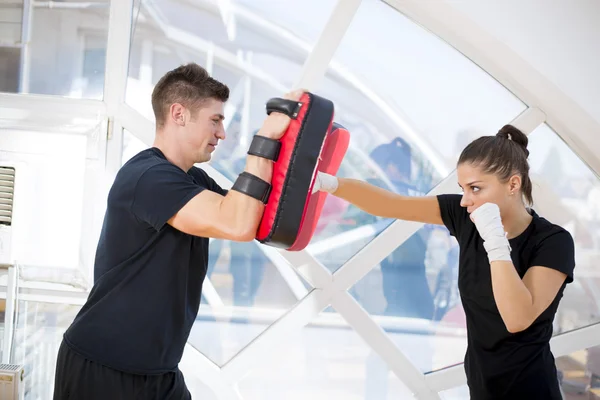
(234, 41)
(411, 103)
(413, 295)
(326, 361)
(62, 51)
(252, 289)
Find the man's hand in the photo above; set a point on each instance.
(277, 123)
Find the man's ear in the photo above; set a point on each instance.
(177, 113)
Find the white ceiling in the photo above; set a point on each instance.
(559, 38)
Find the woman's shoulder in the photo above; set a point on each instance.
(544, 229)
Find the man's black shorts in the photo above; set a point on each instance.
(78, 378)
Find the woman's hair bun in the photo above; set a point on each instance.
(509, 132)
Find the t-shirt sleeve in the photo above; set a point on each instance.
(210, 182)
(453, 215)
(161, 192)
(556, 251)
(216, 188)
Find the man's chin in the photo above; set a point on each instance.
(204, 158)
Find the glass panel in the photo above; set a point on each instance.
(411, 103)
(325, 360)
(458, 393)
(10, 60)
(68, 43)
(567, 193)
(579, 374)
(232, 41)
(251, 292)
(38, 333)
(56, 195)
(413, 295)
(277, 14)
(11, 18)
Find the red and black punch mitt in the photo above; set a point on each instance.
(312, 142)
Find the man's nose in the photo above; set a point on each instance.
(221, 133)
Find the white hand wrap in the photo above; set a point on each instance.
(489, 224)
(325, 182)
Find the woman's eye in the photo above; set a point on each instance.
(475, 188)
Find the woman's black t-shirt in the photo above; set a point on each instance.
(500, 364)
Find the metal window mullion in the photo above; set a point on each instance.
(382, 344)
(331, 36)
(265, 347)
(115, 81)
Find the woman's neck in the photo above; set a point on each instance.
(516, 222)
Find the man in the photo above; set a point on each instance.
(151, 260)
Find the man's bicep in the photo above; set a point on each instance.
(205, 215)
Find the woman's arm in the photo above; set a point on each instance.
(383, 203)
(521, 301)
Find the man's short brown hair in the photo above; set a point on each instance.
(189, 85)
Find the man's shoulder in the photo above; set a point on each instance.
(200, 174)
(148, 164)
(144, 162)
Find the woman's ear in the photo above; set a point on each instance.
(514, 184)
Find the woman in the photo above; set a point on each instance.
(513, 265)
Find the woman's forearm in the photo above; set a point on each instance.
(369, 198)
(384, 203)
(513, 299)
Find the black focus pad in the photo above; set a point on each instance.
(265, 147)
(252, 186)
(291, 108)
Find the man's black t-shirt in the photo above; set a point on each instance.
(147, 275)
(500, 364)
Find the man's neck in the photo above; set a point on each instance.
(172, 153)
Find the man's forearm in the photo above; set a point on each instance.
(246, 211)
(260, 167)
